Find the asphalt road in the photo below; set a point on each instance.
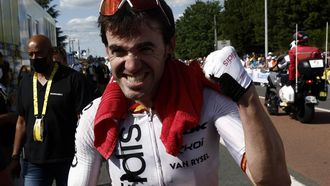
(307, 146)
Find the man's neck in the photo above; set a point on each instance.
(47, 74)
(146, 104)
(43, 77)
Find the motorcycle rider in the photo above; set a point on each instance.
(304, 51)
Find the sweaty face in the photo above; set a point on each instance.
(138, 63)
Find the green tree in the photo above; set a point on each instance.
(44, 3)
(246, 19)
(279, 34)
(195, 30)
(52, 11)
(232, 27)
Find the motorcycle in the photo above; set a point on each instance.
(300, 99)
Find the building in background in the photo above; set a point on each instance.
(19, 20)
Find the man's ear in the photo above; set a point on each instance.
(172, 45)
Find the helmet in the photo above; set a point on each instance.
(302, 37)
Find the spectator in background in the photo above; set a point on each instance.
(245, 62)
(6, 76)
(49, 103)
(77, 66)
(252, 63)
(5, 72)
(107, 63)
(101, 77)
(269, 59)
(7, 116)
(59, 55)
(23, 71)
(261, 62)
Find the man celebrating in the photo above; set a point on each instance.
(159, 121)
(49, 101)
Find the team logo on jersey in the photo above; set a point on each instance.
(197, 128)
(131, 153)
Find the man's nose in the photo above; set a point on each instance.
(133, 63)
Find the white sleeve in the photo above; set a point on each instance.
(86, 164)
(224, 112)
(231, 132)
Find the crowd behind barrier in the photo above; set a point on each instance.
(260, 75)
(258, 66)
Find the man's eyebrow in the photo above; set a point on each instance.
(114, 47)
(139, 45)
(145, 44)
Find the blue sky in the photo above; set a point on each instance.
(78, 21)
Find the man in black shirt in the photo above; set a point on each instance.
(49, 102)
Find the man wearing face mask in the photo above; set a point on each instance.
(49, 102)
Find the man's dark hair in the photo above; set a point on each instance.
(126, 21)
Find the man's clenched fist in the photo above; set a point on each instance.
(224, 66)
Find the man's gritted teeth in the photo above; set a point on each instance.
(136, 78)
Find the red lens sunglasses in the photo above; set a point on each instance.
(110, 7)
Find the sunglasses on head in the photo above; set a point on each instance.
(110, 7)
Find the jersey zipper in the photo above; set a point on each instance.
(155, 148)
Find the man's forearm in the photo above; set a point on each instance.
(19, 135)
(264, 147)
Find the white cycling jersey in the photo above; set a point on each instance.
(140, 157)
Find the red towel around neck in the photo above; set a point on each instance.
(178, 104)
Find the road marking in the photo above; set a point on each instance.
(321, 109)
(294, 182)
